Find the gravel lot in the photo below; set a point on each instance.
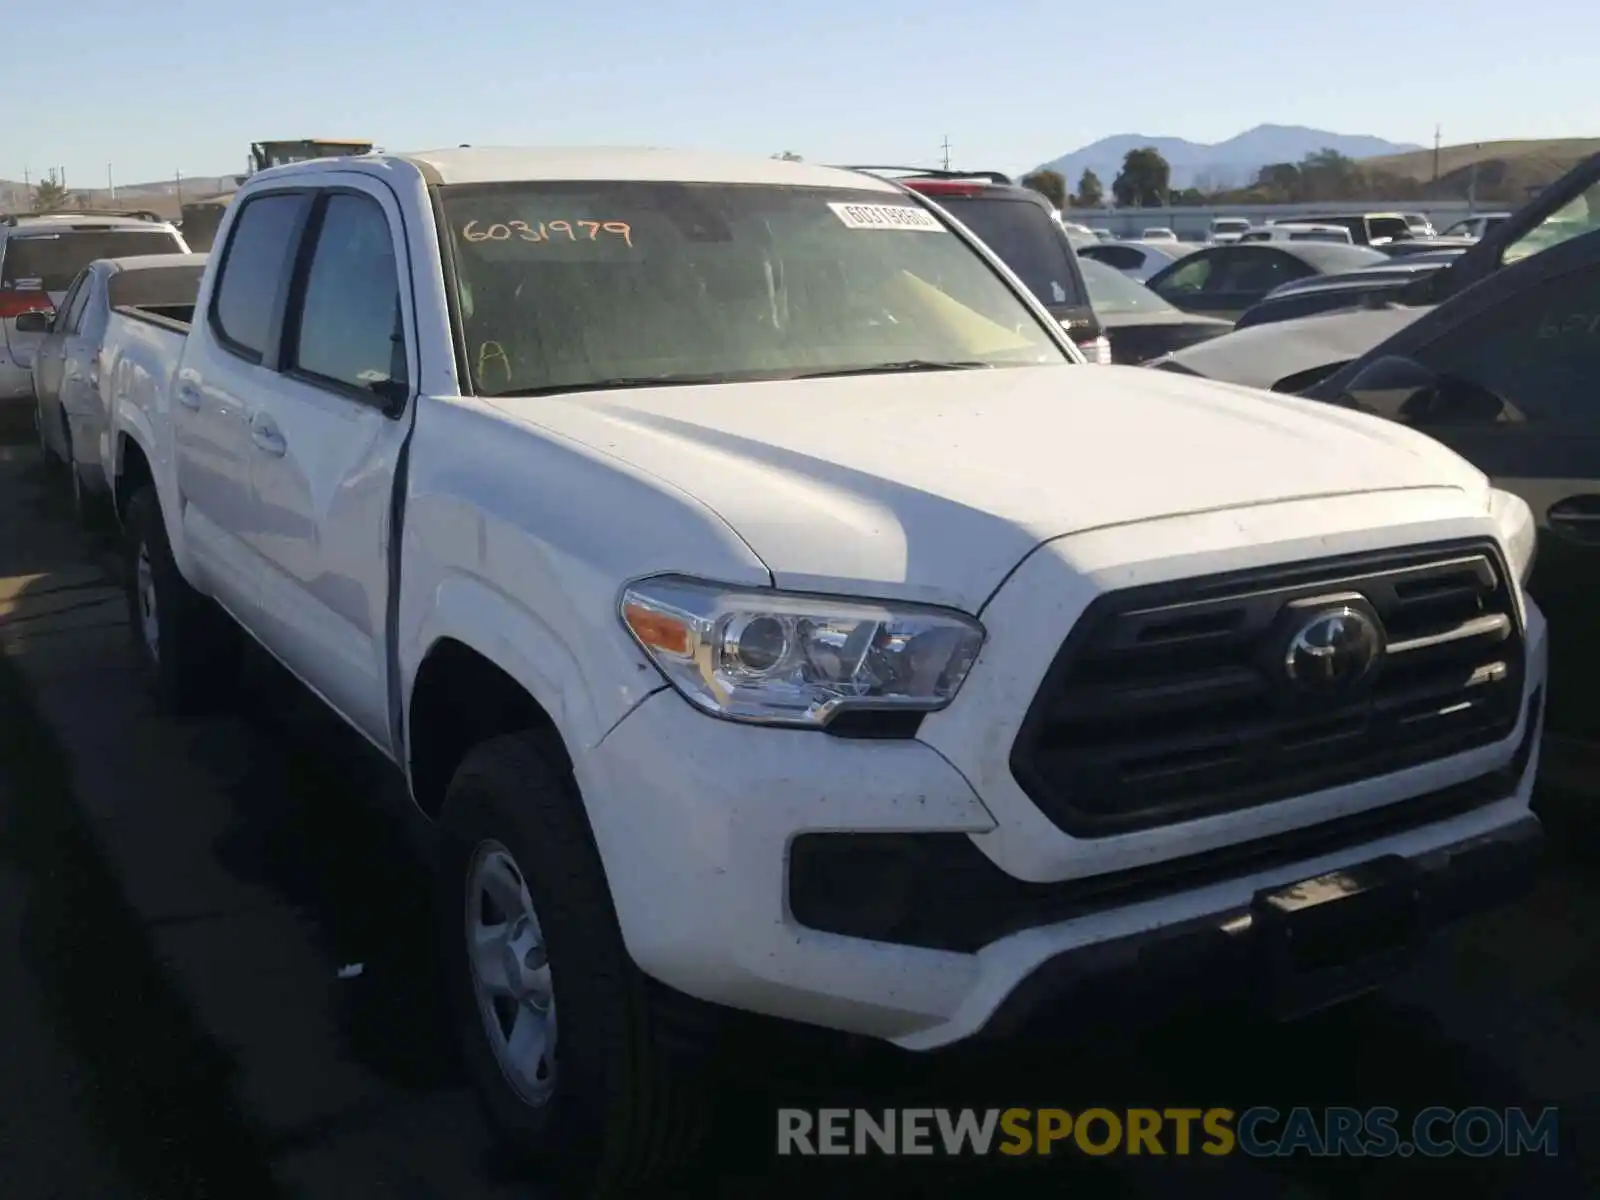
(179, 899)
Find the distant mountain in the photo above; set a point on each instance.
(161, 196)
(1232, 163)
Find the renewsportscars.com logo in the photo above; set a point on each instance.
(1256, 1132)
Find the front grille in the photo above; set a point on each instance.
(1171, 701)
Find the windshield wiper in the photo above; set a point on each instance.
(604, 385)
(891, 368)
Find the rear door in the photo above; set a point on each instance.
(230, 359)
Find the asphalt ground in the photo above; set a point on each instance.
(185, 904)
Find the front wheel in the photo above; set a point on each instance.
(38, 432)
(594, 1096)
(91, 505)
(189, 647)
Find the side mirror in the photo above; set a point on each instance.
(1402, 389)
(392, 395)
(1387, 385)
(35, 321)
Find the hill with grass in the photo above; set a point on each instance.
(1503, 171)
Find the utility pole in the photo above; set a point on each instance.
(1436, 154)
(111, 184)
(178, 175)
(946, 149)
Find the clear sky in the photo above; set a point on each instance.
(157, 86)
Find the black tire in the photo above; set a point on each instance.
(91, 506)
(45, 453)
(196, 656)
(628, 1101)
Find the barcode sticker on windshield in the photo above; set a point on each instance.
(887, 216)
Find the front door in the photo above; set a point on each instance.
(78, 394)
(324, 451)
(48, 354)
(1521, 401)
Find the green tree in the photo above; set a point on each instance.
(1329, 175)
(1280, 180)
(1144, 179)
(49, 195)
(1048, 184)
(1091, 192)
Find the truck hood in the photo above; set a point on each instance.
(934, 486)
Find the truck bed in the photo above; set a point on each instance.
(177, 317)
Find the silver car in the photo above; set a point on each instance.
(71, 395)
(1138, 260)
(42, 253)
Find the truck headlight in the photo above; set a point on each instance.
(791, 659)
(1519, 532)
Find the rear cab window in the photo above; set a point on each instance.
(1388, 227)
(154, 287)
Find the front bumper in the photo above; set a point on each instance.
(1224, 959)
(697, 821)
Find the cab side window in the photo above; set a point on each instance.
(61, 321)
(80, 304)
(1533, 357)
(1123, 258)
(253, 267)
(344, 325)
(1258, 269)
(1189, 278)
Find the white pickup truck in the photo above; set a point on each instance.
(773, 617)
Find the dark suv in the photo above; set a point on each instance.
(1025, 232)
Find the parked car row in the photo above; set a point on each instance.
(776, 614)
(41, 254)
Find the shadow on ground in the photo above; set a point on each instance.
(313, 828)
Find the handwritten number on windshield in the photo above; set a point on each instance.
(547, 231)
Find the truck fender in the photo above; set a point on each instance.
(470, 610)
(129, 423)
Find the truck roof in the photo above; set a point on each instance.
(518, 164)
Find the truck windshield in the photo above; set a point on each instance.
(573, 285)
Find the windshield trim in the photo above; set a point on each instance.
(466, 380)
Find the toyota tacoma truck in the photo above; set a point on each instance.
(775, 618)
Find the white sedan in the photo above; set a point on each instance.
(1138, 260)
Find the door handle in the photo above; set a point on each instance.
(189, 395)
(267, 439)
(1576, 518)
